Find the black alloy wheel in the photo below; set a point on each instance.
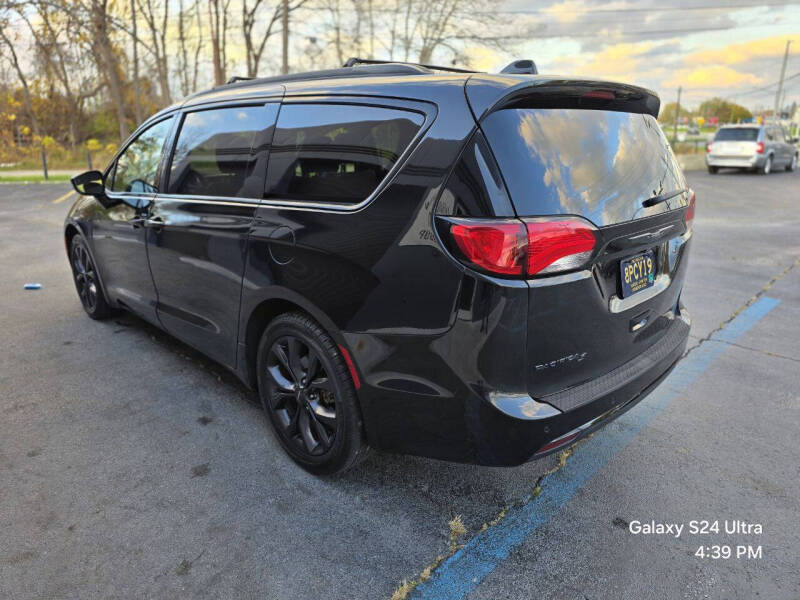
(86, 280)
(308, 395)
(303, 397)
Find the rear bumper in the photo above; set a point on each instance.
(483, 426)
(742, 162)
(589, 406)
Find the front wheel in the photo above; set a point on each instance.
(84, 274)
(792, 165)
(767, 166)
(307, 392)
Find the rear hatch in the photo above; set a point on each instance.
(594, 165)
(735, 142)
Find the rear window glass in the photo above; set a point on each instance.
(336, 153)
(597, 164)
(217, 152)
(733, 134)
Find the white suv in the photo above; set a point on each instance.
(759, 147)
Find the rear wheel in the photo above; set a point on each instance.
(765, 170)
(713, 170)
(793, 164)
(308, 395)
(84, 274)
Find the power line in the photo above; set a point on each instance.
(530, 11)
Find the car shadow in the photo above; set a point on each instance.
(432, 488)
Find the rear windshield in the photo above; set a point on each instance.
(737, 134)
(597, 164)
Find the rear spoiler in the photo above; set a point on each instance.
(488, 93)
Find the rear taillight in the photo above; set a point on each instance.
(709, 146)
(760, 147)
(689, 216)
(494, 246)
(555, 246)
(526, 247)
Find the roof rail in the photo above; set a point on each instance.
(376, 70)
(355, 61)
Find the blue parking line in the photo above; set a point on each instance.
(462, 572)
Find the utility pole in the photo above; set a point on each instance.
(779, 93)
(677, 116)
(285, 40)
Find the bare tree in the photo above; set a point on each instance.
(57, 46)
(218, 18)
(137, 105)
(100, 23)
(198, 46)
(157, 27)
(254, 47)
(13, 58)
(423, 27)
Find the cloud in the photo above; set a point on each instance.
(484, 59)
(623, 61)
(711, 77)
(740, 52)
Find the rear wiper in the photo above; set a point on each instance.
(662, 197)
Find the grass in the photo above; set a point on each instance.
(458, 530)
(55, 178)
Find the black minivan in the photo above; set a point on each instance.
(467, 266)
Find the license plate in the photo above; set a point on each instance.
(637, 273)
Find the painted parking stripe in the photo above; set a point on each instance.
(60, 199)
(463, 571)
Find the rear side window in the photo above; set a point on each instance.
(336, 153)
(218, 152)
(598, 164)
(737, 134)
(475, 187)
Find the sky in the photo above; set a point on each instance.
(731, 49)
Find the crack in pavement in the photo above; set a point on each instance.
(760, 351)
(751, 300)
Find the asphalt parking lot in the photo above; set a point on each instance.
(132, 467)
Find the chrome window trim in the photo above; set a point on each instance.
(428, 110)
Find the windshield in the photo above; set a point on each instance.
(598, 164)
(737, 134)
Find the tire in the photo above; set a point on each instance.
(713, 170)
(87, 282)
(308, 395)
(767, 167)
(792, 164)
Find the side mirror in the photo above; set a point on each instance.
(795, 140)
(89, 183)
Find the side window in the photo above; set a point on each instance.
(475, 187)
(137, 167)
(336, 153)
(218, 150)
(770, 134)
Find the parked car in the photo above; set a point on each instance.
(471, 267)
(753, 147)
